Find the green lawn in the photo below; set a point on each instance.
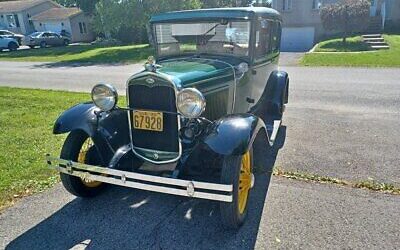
(26, 122)
(383, 58)
(82, 53)
(336, 45)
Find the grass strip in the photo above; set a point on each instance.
(365, 184)
(381, 58)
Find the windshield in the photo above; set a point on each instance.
(225, 37)
(35, 34)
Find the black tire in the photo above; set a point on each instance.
(231, 216)
(43, 44)
(32, 46)
(70, 151)
(12, 46)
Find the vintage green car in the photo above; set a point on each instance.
(191, 116)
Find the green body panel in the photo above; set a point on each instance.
(191, 72)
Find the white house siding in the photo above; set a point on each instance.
(26, 27)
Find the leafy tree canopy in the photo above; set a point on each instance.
(347, 16)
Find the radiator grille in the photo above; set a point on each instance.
(158, 98)
(217, 105)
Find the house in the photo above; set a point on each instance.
(302, 25)
(72, 21)
(16, 15)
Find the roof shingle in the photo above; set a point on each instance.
(57, 14)
(16, 6)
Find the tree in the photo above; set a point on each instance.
(88, 6)
(109, 17)
(127, 20)
(347, 16)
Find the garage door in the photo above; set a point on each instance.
(297, 39)
(53, 26)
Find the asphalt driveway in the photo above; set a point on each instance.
(293, 215)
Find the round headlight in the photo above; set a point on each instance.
(190, 103)
(104, 96)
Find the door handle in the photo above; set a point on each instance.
(250, 100)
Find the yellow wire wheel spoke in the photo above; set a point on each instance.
(82, 156)
(244, 181)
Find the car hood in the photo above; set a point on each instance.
(189, 72)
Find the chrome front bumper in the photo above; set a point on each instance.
(195, 189)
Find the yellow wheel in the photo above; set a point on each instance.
(79, 147)
(245, 181)
(238, 171)
(83, 157)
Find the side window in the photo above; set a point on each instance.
(80, 27)
(263, 39)
(276, 37)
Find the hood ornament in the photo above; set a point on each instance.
(151, 65)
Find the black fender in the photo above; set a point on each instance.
(81, 116)
(275, 96)
(233, 134)
(108, 130)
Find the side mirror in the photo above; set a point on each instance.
(223, 22)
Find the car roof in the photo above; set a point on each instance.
(244, 13)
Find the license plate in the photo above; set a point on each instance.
(148, 120)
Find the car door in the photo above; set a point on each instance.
(56, 39)
(266, 55)
(2, 42)
(51, 39)
(44, 37)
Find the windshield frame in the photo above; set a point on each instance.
(246, 58)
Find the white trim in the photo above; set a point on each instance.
(118, 177)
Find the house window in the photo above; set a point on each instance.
(12, 21)
(316, 4)
(82, 28)
(287, 5)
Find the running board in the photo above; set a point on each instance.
(273, 131)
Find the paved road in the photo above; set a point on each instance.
(64, 77)
(341, 123)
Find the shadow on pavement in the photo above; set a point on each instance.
(124, 218)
